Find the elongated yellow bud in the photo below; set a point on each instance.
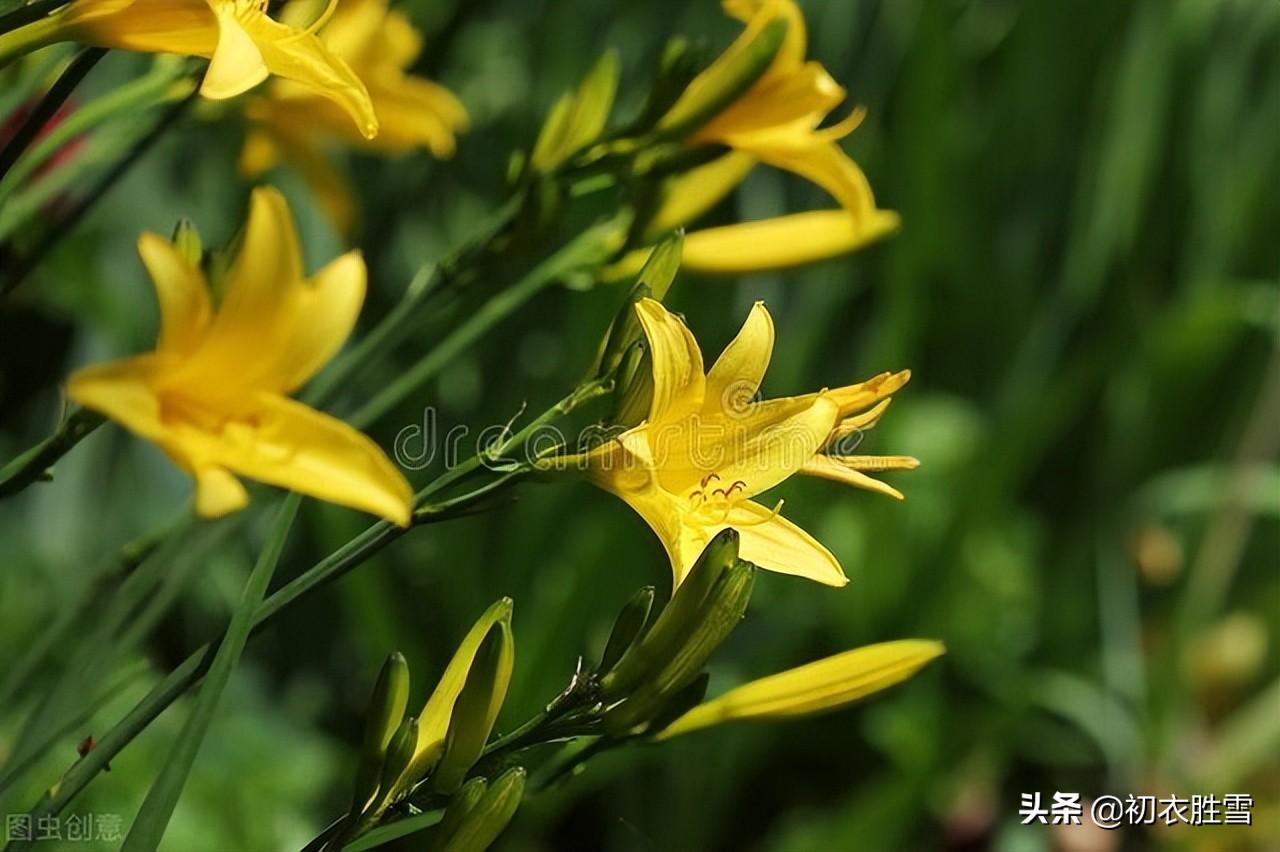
(477, 708)
(818, 687)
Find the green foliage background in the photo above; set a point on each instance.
(1085, 289)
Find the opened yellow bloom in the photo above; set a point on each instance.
(776, 121)
(818, 687)
(691, 467)
(214, 393)
(292, 121)
(242, 43)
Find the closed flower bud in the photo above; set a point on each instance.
(677, 620)
(186, 239)
(485, 820)
(477, 708)
(396, 763)
(386, 710)
(628, 627)
(578, 118)
(458, 812)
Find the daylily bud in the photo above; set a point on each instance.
(386, 710)
(396, 763)
(186, 239)
(652, 282)
(486, 819)
(824, 685)
(715, 620)
(628, 627)
(477, 708)
(677, 620)
(456, 814)
(634, 393)
(578, 117)
(724, 83)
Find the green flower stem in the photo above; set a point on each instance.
(33, 465)
(588, 250)
(154, 88)
(49, 105)
(23, 267)
(29, 28)
(337, 564)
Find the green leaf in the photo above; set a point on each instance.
(153, 817)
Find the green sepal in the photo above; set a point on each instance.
(578, 117)
(186, 239)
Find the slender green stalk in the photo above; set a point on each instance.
(49, 106)
(337, 564)
(34, 464)
(587, 250)
(25, 265)
(153, 817)
(27, 29)
(138, 94)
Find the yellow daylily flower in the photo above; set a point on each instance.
(818, 687)
(776, 121)
(291, 121)
(242, 43)
(691, 467)
(214, 393)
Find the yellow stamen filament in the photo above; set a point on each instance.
(878, 463)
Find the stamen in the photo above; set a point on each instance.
(878, 463)
(709, 478)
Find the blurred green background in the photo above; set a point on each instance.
(1085, 288)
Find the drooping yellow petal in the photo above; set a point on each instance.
(735, 378)
(783, 242)
(818, 687)
(301, 56)
(414, 112)
(181, 292)
(854, 398)
(799, 98)
(678, 382)
(828, 467)
(285, 443)
(218, 493)
(776, 544)
(824, 163)
(236, 65)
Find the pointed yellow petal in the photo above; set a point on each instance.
(413, 112)
(300, 56)
(765, 457)
(818, 687)
(678, 382)
(854, 398)
(800, 98)
(828, 467)
(181, 291)
(285, 443)
(776, 544)
(321, 321)
(122, 391)
(236, 65)
(783, 242)
(698, 190)
(825, 164)
(218, 493)
(738, 372)
(857, 423)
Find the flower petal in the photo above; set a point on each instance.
(762, 458)
(321, 320)
(300, 56)
(236, 65)
(122, 391)
(783, 242)
(776, 544)
(149, 26)
(218, 493)
(698, 190)
(831, 468)
(181, 290)
(738, 372)
(824, 163)
(285, 443)
(678, 382)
